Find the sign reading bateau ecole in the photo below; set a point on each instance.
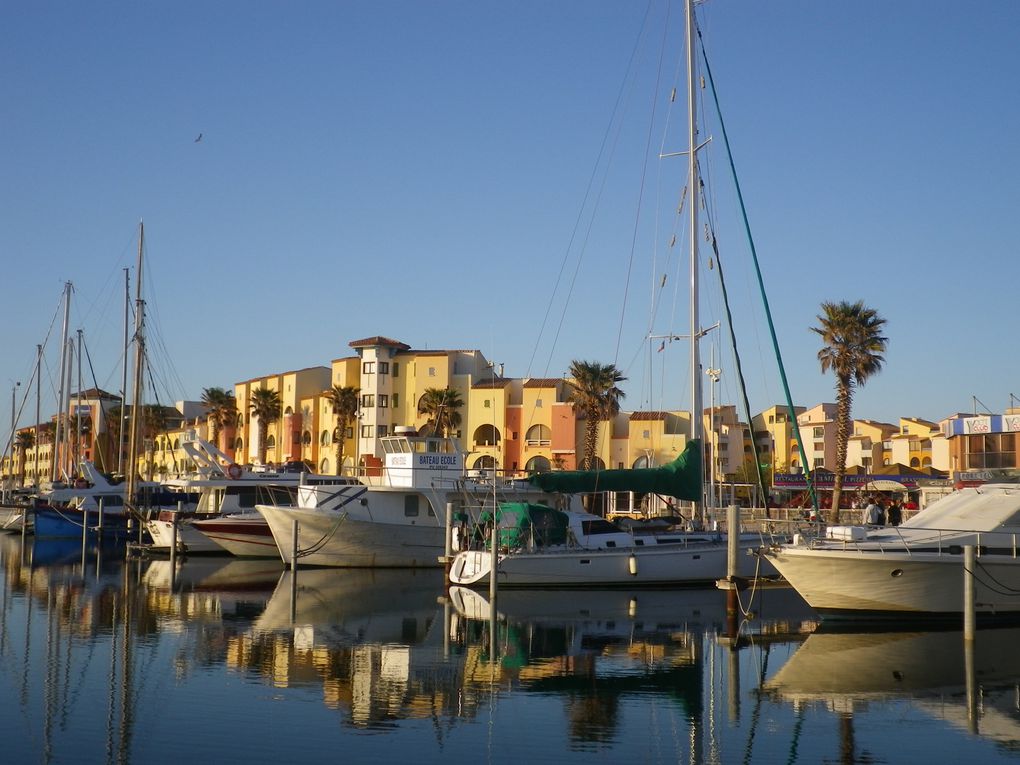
(419, 469)
(858, 482)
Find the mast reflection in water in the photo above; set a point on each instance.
(103, 660)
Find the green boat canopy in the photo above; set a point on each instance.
(681, 478)
(520, 522)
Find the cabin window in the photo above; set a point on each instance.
(411, 506)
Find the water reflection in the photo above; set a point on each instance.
(108, 661)
(973, 685)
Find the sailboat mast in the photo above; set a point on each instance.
(77, 407)
(136, 392)
(695, 197)
(38, 408)
(55, 461)
(124, 376)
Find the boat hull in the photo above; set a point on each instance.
(664, 564)
(66, 523)
(887, 585)
(243, 536)
(189, 539)
(335, 539)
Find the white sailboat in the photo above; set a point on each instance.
(613, 557)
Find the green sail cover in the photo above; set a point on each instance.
(681, 478)
(521, 522)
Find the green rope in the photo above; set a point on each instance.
(761, 285)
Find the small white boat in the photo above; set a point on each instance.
(243, 535)
(543, 547)
(915, 570)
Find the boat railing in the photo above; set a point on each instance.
(950, 542)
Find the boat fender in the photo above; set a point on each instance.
(632, 564)
(234, 471)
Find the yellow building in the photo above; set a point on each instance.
(869, 445)
(774, 436)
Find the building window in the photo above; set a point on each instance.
(646, 434)
(819, 432)
(366, 431)
(396, 369)
(991, 450)
(368, 367)
(396, 398)
(270, 442)
(819, 446)
(384, 367)
(819, 462)
(488, 404)
(432, 371)
(538, 403)
(368, 400)
(324, 439)
(349, 433)
(383, 431)
(384, 401)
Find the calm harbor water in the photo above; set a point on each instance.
(112, 661)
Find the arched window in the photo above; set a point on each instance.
(485, 462)
(486, 435)
(915, 462)
(538, 435)
(270, 442)
(324, 439)
(926, 462)
(288, 410)
(640, 463)
(324, 466)
(238, 444)
(177, 443)
(306, 438)
(538, 465)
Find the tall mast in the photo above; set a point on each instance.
(38, 408)
(54, 462)
(68, 460)
(77, 408)
(124, 377)
(136, 392)
(695, 197)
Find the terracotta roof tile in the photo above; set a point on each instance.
(378, 340)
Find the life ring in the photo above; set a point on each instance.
(233, 471)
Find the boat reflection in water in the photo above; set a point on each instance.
(972, 685)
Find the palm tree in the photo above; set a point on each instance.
(344, 400)
(221, 408)
(441, 406)
(597, 398)
(24, 442)
(265, 405)
(853, 348)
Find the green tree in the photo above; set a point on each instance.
(221, 409)
(344, 400)
(594, 391)
(265, 406)
(853, 347)
(442, 407)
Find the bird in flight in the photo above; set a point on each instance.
(199, 138)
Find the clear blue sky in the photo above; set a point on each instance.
(416, 170)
